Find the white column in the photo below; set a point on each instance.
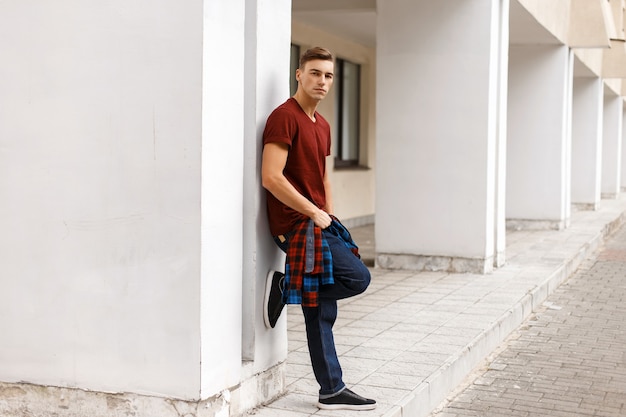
(439, 95)
(539, 136)
(268, 38)
(501, 132)
(587, 141)
(222, 194)
(612, 144)
(623, 174)
(100, 124)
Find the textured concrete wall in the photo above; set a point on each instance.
(100, 120)
(19, 400)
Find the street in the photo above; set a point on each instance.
(567, 359)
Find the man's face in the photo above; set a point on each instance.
(316, 78)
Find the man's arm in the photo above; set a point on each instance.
(273, 164)
(329, 208)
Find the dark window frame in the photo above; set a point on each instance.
(294, 63)
(340, 91)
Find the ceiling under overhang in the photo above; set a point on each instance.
(356, 20)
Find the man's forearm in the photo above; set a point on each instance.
(273, 179)
(329, 207)
(286, 193)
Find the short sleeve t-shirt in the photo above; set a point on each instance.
(309, 145)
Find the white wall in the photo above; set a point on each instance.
(587, 140)
(623, 170)
(537, 148)
(612, 144)
(100, 154)
(499, 100)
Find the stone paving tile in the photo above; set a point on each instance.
(408, 328)
(568, 359)
(274, 412)
(471, 321)
(295, 402)
(426, 358)
(381, 379)
(362, 333)
(373, 353)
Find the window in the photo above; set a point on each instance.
(347, 113)
(294, 63)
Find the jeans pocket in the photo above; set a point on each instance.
(283, 243)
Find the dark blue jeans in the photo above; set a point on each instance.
(351, 277)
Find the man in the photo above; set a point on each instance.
(322, 264)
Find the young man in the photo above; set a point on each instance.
(322, 264)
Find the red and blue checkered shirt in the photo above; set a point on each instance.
(309, 262)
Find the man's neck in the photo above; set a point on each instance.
(308, 105)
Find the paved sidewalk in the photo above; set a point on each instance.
(568, 359)
(413, 337)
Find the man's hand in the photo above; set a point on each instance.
(321, 219)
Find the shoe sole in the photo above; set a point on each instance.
(266, 298)
(363, 407)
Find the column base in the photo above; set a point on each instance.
(499, 260)
(519, 224)
(585, 206)
(21, 399)
(434, 263)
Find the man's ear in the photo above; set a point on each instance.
(298, 72)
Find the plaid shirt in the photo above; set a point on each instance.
(309, 262)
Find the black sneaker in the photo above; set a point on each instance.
(346, 400)
(273, 301)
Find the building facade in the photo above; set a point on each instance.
(135, 242)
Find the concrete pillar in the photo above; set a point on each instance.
(539, 136)
(587, 123)
(222, 180)
(623, 174)
(441, 70)
(101, 128)
(612, 144)
(502, 63)
(268, 39)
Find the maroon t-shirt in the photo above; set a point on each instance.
(309, 145)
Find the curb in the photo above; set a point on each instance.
(435, 389)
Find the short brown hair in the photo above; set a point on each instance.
(316, 52)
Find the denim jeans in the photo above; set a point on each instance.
(351, 277)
